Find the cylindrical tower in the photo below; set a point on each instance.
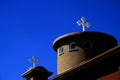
(76, 47)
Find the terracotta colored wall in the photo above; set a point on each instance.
(112, 76)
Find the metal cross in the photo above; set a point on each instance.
(34, 61)
(83, 23)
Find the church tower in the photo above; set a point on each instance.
(36, 73)
(77, 47)
(74, 48)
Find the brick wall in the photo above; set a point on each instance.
(112, 76)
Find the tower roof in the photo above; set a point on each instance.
(39, 69)
(80, 35)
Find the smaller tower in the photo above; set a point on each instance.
(36, 73)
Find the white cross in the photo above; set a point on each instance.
(83, 23)
(34, 61)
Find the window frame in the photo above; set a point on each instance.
(72, 48)
(61, 50)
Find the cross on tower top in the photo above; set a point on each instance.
(83, 23)
(34, 61)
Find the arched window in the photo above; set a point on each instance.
(88, 44)
(61, 50)
(72, 46)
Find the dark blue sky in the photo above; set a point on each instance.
(29, 27)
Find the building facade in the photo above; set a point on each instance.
(82, 56)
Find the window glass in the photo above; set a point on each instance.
(61, 50)
(72, 46)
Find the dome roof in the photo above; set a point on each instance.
(81, 35)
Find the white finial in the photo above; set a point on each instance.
(34, 61)
(83, 23)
